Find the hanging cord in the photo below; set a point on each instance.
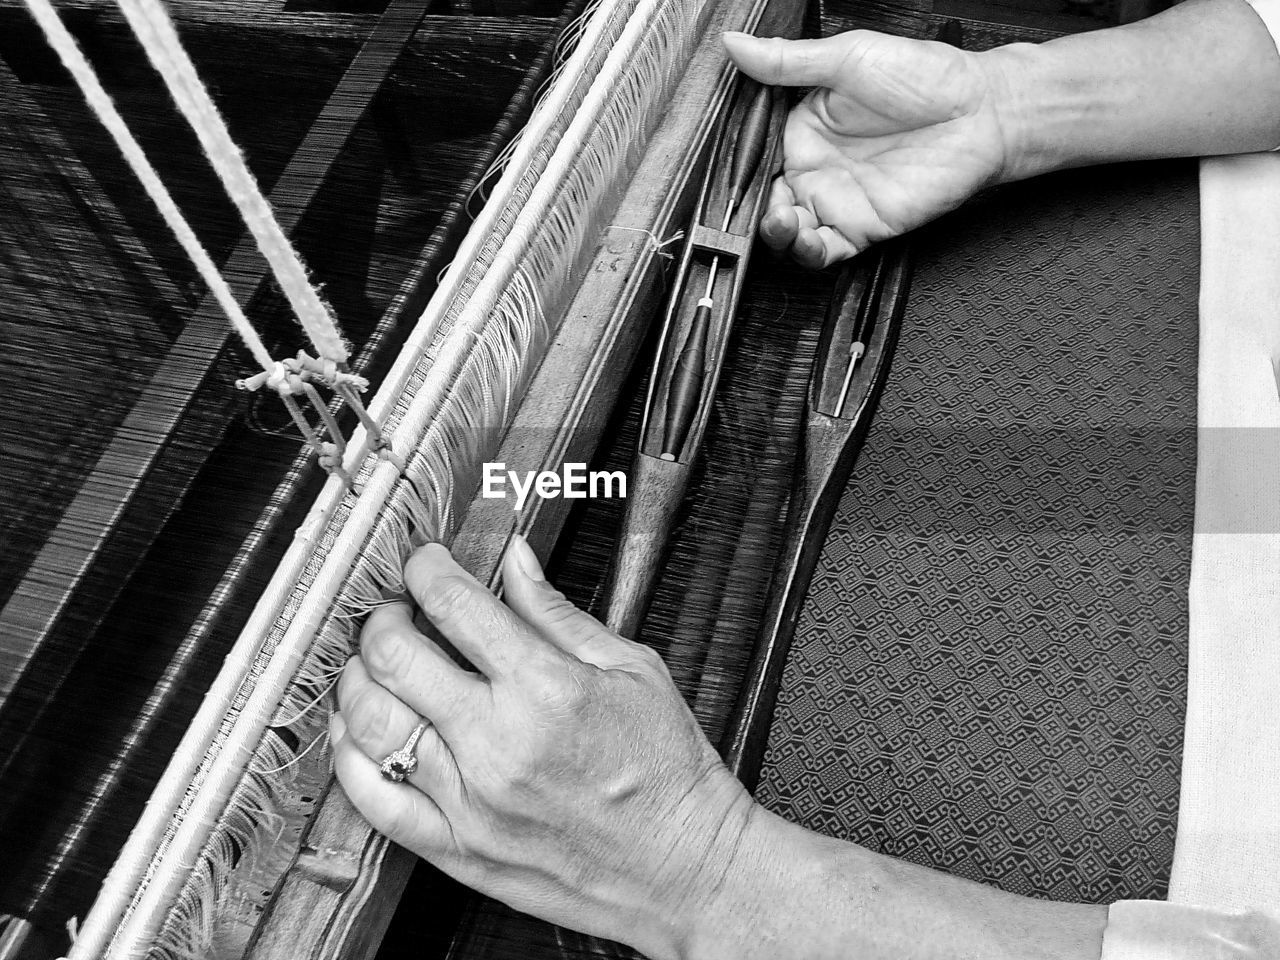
(102, 105)
(156, 34)
(329, 454)
(292, 377)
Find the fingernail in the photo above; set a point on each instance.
(734, 33)
(526, 559)
(430, 561)
(337, 727)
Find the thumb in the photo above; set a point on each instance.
(788, 63)
(545, 609)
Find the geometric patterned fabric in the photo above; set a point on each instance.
(990, 674)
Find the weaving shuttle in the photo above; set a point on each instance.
(850, 370)
(740, 164)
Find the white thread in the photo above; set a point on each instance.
(659, 246)
(155, 31)
(450, 391)
(318, 740)
(567, 43)
(453, 416)
(104, 108)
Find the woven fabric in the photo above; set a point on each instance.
(990, 674)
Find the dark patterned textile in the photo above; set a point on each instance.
(990, 674)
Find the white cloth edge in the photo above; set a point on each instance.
(1225, 883)
(1227, 852)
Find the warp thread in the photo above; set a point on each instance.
(565, 45)
(455, 397)
(155, 32)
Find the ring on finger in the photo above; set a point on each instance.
(400, 765)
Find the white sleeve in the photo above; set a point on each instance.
(1269, 11)
(1156, 930)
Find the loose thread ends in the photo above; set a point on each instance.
(659, 246)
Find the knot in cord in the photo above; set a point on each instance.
(284, 379)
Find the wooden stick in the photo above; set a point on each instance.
(849, 374)
(695, 334)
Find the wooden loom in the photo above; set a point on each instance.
(348, 883)
(177, 419)
(69, 584)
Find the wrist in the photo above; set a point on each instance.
(736, 904)
(715, 836)
(1050, 112)
(784, 889)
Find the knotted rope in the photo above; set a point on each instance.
(290, 378)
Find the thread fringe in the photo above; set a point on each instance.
(499, 307)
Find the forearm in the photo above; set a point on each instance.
(794, 893)
(1200, 79)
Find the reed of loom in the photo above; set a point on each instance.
(741, 162)
(351, 547)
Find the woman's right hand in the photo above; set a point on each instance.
(894, 133)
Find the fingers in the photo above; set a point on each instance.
(480, 625)
(811, 246)
(545, 609)
(407, 816)
(380, 723)
(810, 243)
(795, 228)
(789, 63)
(791, 226)
(398, 656)
(781, 221)
(821, 247)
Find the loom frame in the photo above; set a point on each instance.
(345, 869)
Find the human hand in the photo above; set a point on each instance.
(894, 133)
(568, 778)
